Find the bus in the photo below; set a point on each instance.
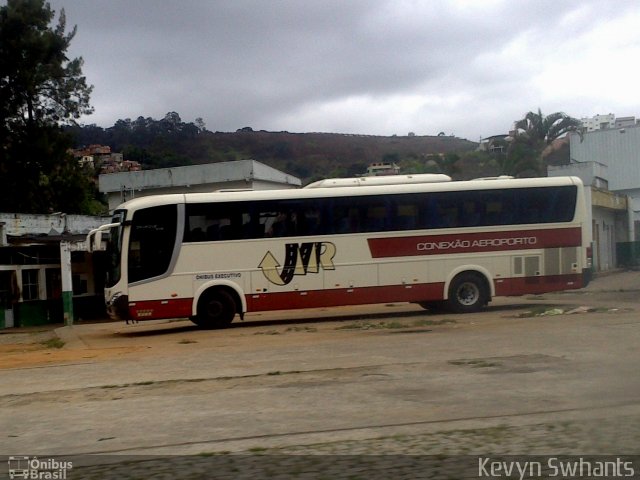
(425, 240)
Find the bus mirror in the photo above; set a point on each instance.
(94, 241)
(97, 240)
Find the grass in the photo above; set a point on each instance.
(539, 311)
(53, 343)
(550, 310)
(268, 332)
(393, 325)
(301, 329)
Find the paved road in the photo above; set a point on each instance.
(358, 383)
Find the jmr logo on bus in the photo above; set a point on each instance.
(300, 259)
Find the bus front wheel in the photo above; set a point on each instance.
(468, 293)
(216, 309)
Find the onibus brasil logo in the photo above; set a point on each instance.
(300, 259)
(41, 469)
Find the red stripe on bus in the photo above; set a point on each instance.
(425, 292)
(156, 309)
(343, 296)
(474, 242)
(539, 284)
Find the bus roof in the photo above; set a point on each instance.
(347, 191)
(381, 180)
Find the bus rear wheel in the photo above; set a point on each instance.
(468, 293)
(216, 309)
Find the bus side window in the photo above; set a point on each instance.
(376, 219)
(351, 223)
(492, 214)
(312, 221)
(470, 214)
(213, 232)
(406, 217)
(196, 235)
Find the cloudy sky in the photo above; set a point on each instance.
(383, 67)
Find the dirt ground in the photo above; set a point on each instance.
(552, 374)
(55, 344)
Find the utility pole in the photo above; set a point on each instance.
(67, 282)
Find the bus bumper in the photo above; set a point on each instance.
(118, 307)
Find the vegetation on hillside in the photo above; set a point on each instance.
(170, 142)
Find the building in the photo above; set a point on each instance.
(598, 122)
(608, 162)
(242, 174)
(619, 150)
(378, 169)
(102, 157)
(605, 122)
(496, 143)
(611, 213)
(622, 122)
(32, 270)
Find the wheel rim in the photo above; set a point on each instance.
(468, 293)
(214, 309)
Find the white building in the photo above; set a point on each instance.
(608, 161)
(619, 150)
(241, 174)
(598, 122)
(604, 122)
(611, 213)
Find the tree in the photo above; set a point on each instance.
(448, 164)
(532, 135)
(40, 90)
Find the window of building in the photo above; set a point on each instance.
(30, 285)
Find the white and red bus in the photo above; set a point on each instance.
(210, 256)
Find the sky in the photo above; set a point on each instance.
(374, 67)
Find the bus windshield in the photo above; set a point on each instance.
(151, 242)
(114, 249)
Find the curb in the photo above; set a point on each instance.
(72, 340)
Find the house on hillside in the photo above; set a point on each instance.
(495, 143)
(376, 169)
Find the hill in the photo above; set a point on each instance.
(310, 155)
(171, 142)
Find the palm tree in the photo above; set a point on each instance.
(546, 128)
(533, 134)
